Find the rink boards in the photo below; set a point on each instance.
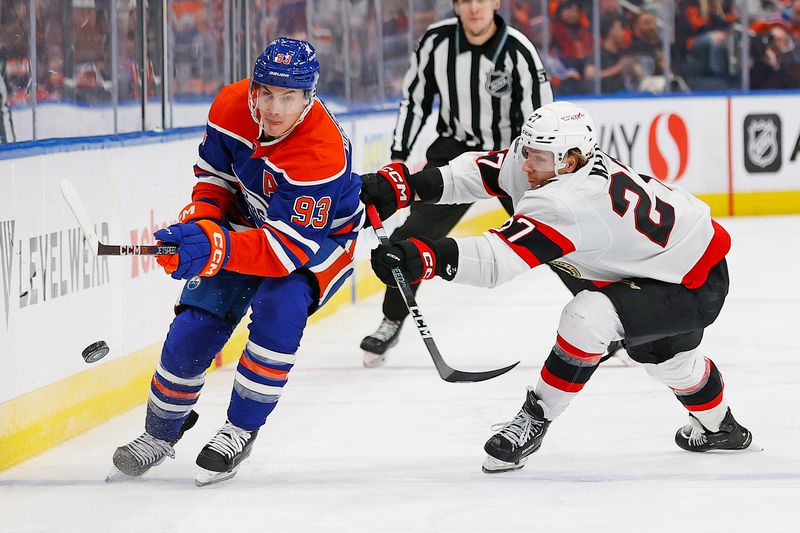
(739, 154)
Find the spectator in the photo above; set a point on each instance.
(612, 8)
(646, 51)
(6, 124)
(702, 28)
(291, 18)
(775, 61)
(571, 37)
(572, 43)
(791, 16)
(612, 62)
(16, 64)
(788, 18)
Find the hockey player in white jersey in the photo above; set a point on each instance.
(650, 256)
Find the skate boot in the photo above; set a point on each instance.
(220, 458)
(510, 447)
(696, 438)
(376, 344)
(145, 452)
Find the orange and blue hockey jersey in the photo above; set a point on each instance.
(293, 201)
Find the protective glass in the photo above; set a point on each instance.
(531, 159)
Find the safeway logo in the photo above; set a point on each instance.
(668, 147)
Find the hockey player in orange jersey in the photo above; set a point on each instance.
(272, 227)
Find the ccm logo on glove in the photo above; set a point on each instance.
(388, 189)
(217, 256)
(400, 185)
(428, 263)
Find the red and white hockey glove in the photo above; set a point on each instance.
(388, 189)
(418, 259)
(203, 249)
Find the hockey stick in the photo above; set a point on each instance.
(75, 204)
(446, 372)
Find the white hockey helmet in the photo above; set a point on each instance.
(557, 128)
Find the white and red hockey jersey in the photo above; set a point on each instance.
(603, 223)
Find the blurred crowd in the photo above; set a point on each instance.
(653, 45)
(364, 45)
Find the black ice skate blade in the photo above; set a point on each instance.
(208, 477)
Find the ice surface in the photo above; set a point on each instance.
(397, 449)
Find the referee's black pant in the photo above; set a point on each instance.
(430, 220)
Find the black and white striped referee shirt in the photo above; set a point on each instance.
(485, 92)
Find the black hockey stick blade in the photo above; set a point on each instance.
(451, 375)
(446, 372)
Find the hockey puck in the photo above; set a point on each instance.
(95, 351)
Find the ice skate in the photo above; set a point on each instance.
(376, 344)
(143, 453)
(510, 447)
(220, 459)
(731, 436)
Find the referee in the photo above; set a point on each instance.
(489, 78)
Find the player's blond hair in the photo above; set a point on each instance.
(579, 157)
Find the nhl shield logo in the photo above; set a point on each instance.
(762, 143)
(498, 83)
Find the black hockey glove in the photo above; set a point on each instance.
(388, 190)
(418, 259)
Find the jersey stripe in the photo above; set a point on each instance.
(287, 243)
(554, 236)
(214, 180)
(716, 251)
(270, 355)
(534, 242)
(232, 135)
(208, 167)
(489, 166)
(286, 229)
(577, 353)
